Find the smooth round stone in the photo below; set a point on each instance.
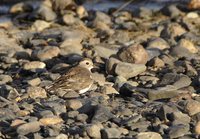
(47, 53)
(158, 43)
(128, 70)
(82, 117)
(192, 15)
(34, 82)
(28, 128)
(187, 44)
(34, 65)
(40, 25)
(94, 130)
(50, 121)
(69, 19)
(74, 104)
(135, 54)
(81, 11)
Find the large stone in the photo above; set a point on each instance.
(158, 43)
(28, 128)
(110, 133)
(128, 70)
(133, 54)
(192, 107)
(94, 130)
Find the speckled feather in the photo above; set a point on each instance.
(77, 79)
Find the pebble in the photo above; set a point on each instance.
(111, 64)
(4, 79)
(148, 135)
(135, 54)
(192, 15)
(128, 70)
(94, 130)
(62, 136)
(187, 44)
(47, 53)
(34, 65)
(69, 19)
(27, 128)
(74, 104)
(192, 107)
(194, 4)
(36, 92)
(82, 117)
(197, 128)
(40, 25)
(158, 43)
(50, 121)
(110, 133)
(46, 13)
(34, 82)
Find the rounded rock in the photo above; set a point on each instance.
(34, 65)
(148, 135)
(94, 131)
(74, 104)
(36, 92)
(134, 54)
(28, 128)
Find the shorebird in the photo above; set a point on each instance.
(77, 78)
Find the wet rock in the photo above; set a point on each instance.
(148, 135)
(5, 79)
(134, 54)
(192, 107)
(74, 104)
(178, 131)
(94, 130)
(34, 65)
(28, 128)
(47, 53)
(110, 133)
(50, 121)
(128, 70)
(36, 92)
(158, 43)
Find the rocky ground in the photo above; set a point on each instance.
(146, 76)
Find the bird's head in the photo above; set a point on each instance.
(86, 63)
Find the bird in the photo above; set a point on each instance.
(78, 78)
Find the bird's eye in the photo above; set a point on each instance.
(87, 63)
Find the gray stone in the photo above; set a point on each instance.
(28, 128)
(158, 43)
(111, 133)
(178, 131)
(128, 70)
(47, 53)
(94, 130)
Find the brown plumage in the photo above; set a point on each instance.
(77, 78)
